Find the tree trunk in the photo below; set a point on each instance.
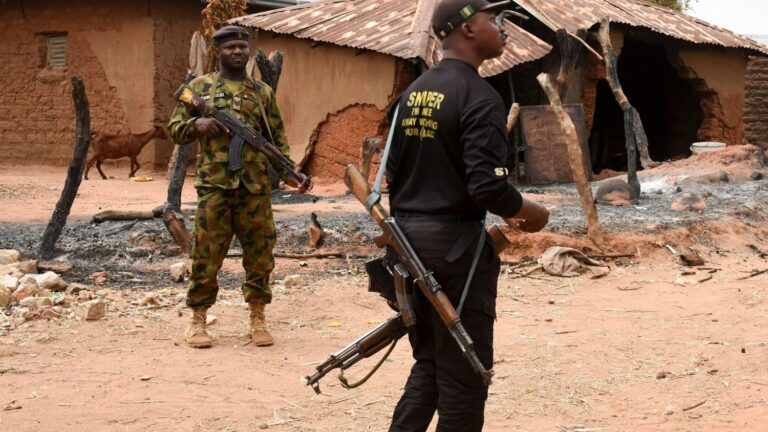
(174, 223)
(576, 160)
(570, 53)
(270, 70)
(74, 172)
(634, 133)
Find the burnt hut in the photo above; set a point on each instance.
(345, 60)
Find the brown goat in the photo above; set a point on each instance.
(108, 146)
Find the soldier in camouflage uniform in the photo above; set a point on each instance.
(230, 202)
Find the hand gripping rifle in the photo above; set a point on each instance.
(241, 134)
(382, 335)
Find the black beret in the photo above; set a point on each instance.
(230, 33)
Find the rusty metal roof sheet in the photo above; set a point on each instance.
(583, 14)
(396, 27)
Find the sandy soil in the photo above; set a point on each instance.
(648, 347)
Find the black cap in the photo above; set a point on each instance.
(449, 14)
(230, 33)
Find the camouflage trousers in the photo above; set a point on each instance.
(220, 214)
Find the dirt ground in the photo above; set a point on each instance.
(654, 345)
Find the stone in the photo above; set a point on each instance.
(150, 299)
(757, 175)
(51, 312)
(92, 310)
(178, 271)
(84, 296)
(64, 301)
(10, 282)
(58, 267)
(27, 288)
(173, 251)
(48, 280)
(689, 202)
(36, 303)
(75, 288)
(27, 267)
(5, 297)
(99, 278)
(292, 281)
(11, 269)
(9, 256)
(139, 251)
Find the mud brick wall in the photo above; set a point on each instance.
(37, 123)
(175, 21)
(130, 54)
(338, 140)
(756, 103)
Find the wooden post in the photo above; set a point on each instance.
(634, 133)
(570, 53)
(576, 160)
(74, 172)
(370, 146)
(270, 70)
(514, 112)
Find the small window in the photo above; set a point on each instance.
(57, 51)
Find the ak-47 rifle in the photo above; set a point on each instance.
(410, 265)
(241, 134)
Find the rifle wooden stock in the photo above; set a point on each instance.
(363, 347)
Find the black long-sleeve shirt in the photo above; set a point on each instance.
(449, 147)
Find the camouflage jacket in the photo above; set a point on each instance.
(214, 152)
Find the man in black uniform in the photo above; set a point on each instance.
(445, 170)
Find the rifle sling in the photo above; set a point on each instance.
(375, 195)
(361, 381)
(473, 267)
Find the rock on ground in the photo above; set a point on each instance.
(9, 256)
(179, 270)
(48, 281)
(5, 296)
(92, 310)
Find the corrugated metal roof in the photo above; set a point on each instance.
(583, 14)
(396, 27)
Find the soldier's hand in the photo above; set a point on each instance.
(303, 182)
(532, 217)
(209, 127)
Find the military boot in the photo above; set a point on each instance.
(259, 333)
(195, 335)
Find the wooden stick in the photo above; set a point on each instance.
(74, 172)
(174, 222)
(576, 160)
(119, 215)
(694, 406)
(754, 273)
(610, 256)
(514, 113)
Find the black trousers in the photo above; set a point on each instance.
(442, 379)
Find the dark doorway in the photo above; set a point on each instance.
(606, 140)
(669, 106)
